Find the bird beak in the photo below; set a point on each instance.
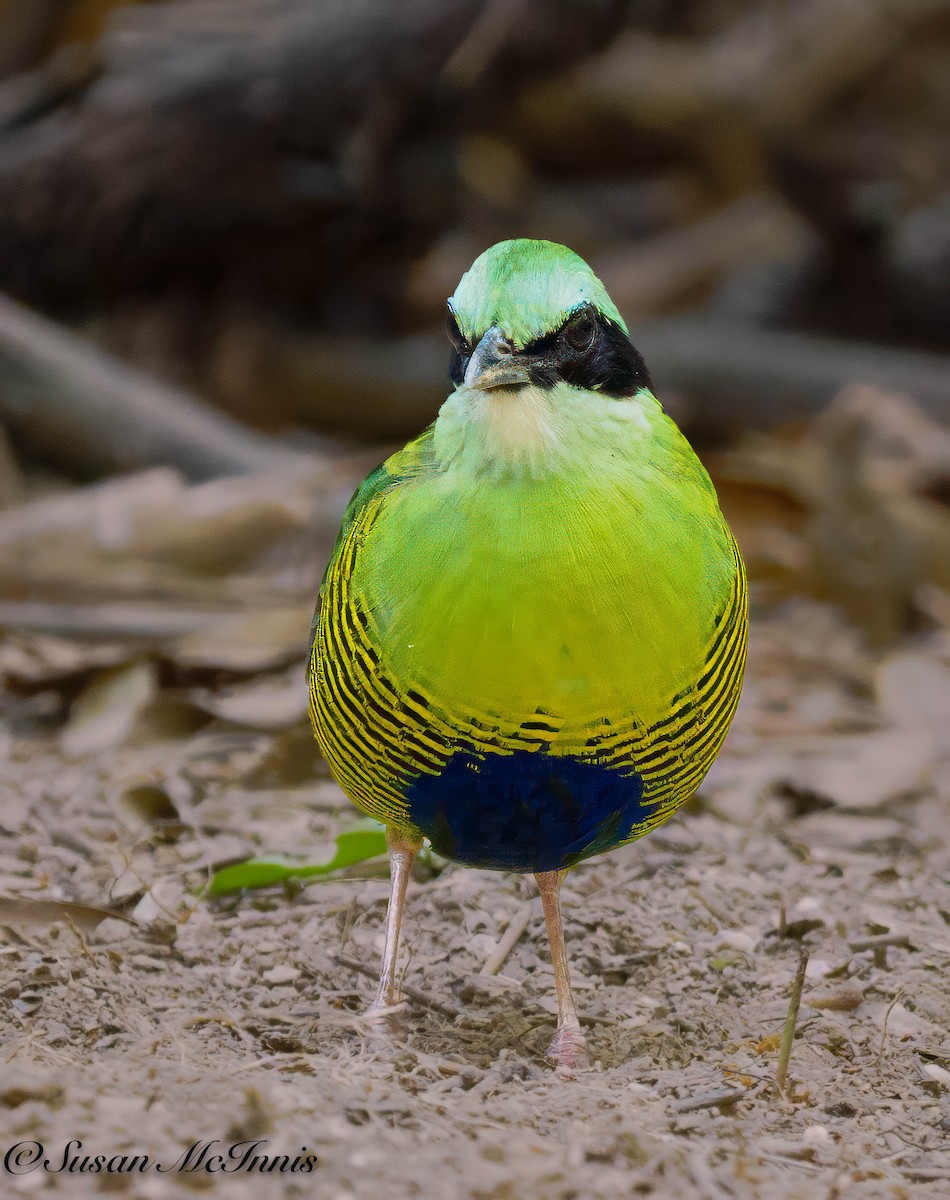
(495, 364)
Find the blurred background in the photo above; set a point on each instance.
(227, 232)
(228, 229)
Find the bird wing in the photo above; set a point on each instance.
(406, 463)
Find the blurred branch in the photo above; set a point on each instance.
(779, 66)
(137, 621)
(389, 387)
(734, 376)
(83, 408)
(25, 31)
(651, 275)
(759, 378)
(262, 143)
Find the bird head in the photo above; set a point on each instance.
(534, 313)
(544, 373)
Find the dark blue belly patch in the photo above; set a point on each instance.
(525, 811)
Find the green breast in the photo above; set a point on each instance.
(601, 615)
(584, 601)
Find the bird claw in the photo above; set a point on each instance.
(569, 1049)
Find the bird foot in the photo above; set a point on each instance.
(382, 1017)
(569, 1049)
(382, 1028)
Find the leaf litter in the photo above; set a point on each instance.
(159, 745)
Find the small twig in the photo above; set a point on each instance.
(788, 1033)
(594, 1019)
(925, 1174)
(77, 933)
(887, 1017)
(516, 927)
(879, 944)
(784, 1160)
(416, 995)
(881, 939)
(710, 1100)
(941, 1149)
(284, 1059)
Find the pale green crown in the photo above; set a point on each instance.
(527, 288)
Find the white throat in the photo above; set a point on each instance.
(531, 431)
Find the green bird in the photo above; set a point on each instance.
(532, 632)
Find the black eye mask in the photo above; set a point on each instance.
(588, 351)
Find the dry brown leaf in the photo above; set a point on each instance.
(270, 703)
(28, 916)
(869, 472)
(845, 999)
(152, 802)
(292, 758)
(223, 525)
(934, 602)
(106, 710)
(830, 833)
(100, 515)
(183, 553)
(37, 660)
(261, 640)
(865, 771)
(914, 692)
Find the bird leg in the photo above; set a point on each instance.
(569, 1047)
(402, 850)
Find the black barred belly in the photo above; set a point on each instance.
(525, 811)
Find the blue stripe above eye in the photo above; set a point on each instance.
(525, 811)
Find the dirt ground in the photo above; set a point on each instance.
(824, 825)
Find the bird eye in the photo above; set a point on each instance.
(579, 331)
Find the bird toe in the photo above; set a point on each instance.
(569, 1049)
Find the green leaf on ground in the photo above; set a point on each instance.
(362, 841)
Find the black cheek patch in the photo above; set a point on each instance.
(457, 367)
(611, 365)
(543, 374)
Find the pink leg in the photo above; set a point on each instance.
(402, 850)
(569, 1047)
